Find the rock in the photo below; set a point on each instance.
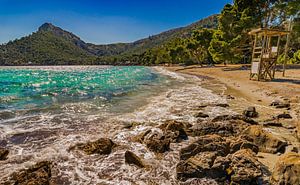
(156, 141)
(287, 169)
(237, 144)
(230, 97)
(207, 143)
(174, 130)
(279, 104)
(250, 112)
(241, 167)
(222, 105)
(275, 103)
(39, 174)
(131, 158)
(284, 116)
(3, 154)
(201, 115)
(283, 105)
(298, 130)
(272, 124)
(198, 166)
(234, 117)
(101, 146)
(266, 141)
(224, 128)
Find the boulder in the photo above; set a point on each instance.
(265, 140)
(3, 154)
(224, 128)
(131, 158)
(242, 167)
(39, 174)
(287, 169)
(207, 143)
(250, 112)
(198, 166)
(101, 146)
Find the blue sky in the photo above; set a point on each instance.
(102, 21)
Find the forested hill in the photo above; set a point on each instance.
(51, 45)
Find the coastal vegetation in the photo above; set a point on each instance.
(219, 38)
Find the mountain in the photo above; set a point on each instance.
(51, 45)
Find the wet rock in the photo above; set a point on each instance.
(266, 141)
(224, 128)
(174, 130)
(129, 125)
(39, 174)
(250, 112)
(241, 167)
(3, 154)
(21, 138)
(284, 116)
(6, 115)
(101, 146)
(131, 158)
(156, 141)
(234, 117)
(208, 143)
(3, 143)
(201, 115)
(287, 169)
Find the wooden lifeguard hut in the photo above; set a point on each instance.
(265, 52)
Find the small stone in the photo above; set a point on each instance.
(3, 154)
(201, 115)
(131, 158)
(284, 116)
(272, 124)
(250, 112)
(222, 105)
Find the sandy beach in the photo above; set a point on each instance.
(244, 92)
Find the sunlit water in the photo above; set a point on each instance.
(45, 110)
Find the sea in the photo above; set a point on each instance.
(46, 110)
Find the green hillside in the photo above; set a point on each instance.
(51, 45)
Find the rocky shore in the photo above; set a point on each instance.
(249, 147)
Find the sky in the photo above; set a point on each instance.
(103, 21)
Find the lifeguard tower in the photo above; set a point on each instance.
(265, 52)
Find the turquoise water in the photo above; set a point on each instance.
(39, 88)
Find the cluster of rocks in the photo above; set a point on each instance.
(225, 151)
